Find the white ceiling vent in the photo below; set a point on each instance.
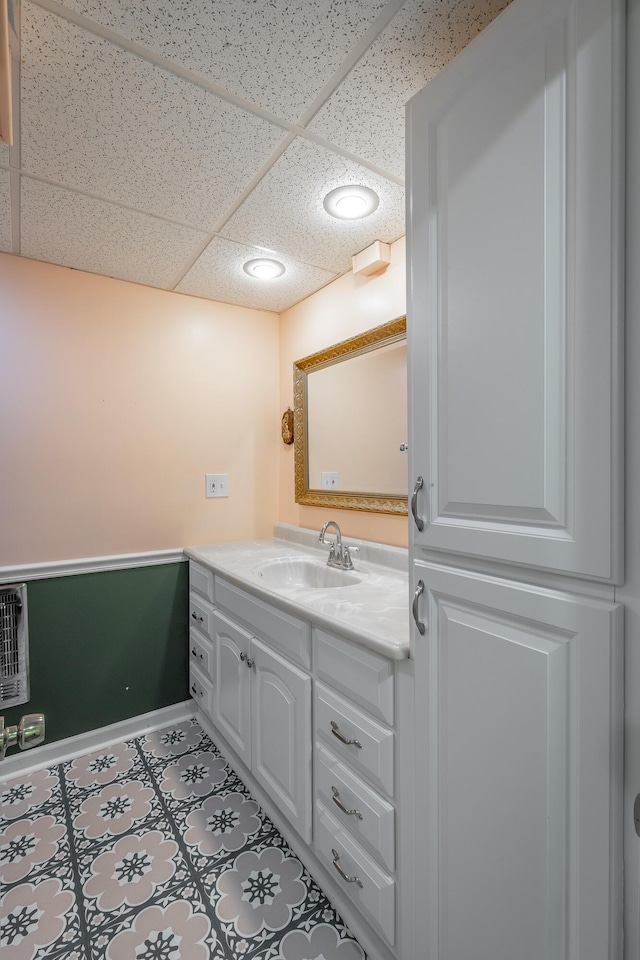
(374, 259)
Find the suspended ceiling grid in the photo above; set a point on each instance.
(167, 143)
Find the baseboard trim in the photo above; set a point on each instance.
(67, 568)
(50, 754)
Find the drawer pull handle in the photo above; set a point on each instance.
(338, 866)
(249, 662)
(416, 615)
(335, 730)
(419, 522)
(338, 802)
(196, 617)
(194, 689)
(243, 656)
(196, 654)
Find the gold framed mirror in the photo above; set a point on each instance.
(350, 423)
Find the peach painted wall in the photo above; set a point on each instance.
(115, 400)
(348, 306)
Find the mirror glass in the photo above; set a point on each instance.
(351, 423)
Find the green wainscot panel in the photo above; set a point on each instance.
(106, 646)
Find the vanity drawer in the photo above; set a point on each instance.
(374, 890)
(372, 755)
(201, 580)
(200, 615)
(201, 653)
(364, 676)
(371, 819)
(284, 632)
(201, 690)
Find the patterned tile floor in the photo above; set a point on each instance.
(154, 850)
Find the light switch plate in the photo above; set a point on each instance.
(217, 484)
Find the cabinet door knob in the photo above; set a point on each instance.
(338, 802)
(243, 656)
(414, 608)
(419, 522)
(335, 730)
(339, 868)
(250, 662)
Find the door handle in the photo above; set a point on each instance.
(337, 799)
(335, 730)
(341, 871)
(419, 522)
(414, 608)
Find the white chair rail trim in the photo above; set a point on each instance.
(65, 568)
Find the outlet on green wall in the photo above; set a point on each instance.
(106, 646)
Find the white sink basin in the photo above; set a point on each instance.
(303, 572)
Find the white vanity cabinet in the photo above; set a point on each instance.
(232, 685)
(262, 706)
(355, 775)
(259, 700)
(201, 653)
(281, 734)
(312, 719)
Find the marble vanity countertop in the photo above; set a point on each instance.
(373, 612)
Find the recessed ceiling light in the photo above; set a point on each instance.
(262, 268)
(351, 202)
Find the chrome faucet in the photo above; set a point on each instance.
(339, 554)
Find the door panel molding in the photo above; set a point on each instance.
(520, 768)
(515, 269)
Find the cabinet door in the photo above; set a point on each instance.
(281, 710)
(232, 696)
(514, 232)
(519, 771)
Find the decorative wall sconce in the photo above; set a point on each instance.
(287, 426)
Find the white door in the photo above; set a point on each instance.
(519, 771)
(281, 709)
(232, 699)
(514, 232)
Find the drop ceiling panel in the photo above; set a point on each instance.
(128, 112)
(5, 212)
(366, 113)
(277, 54)
(74, 230)
(218, 274)
(285, 212)
(104, 121)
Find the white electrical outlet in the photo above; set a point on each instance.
(217, 484)
(329, 480)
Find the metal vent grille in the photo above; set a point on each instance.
(14, 659)
(9, 691)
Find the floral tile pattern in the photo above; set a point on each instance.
(154, 850)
